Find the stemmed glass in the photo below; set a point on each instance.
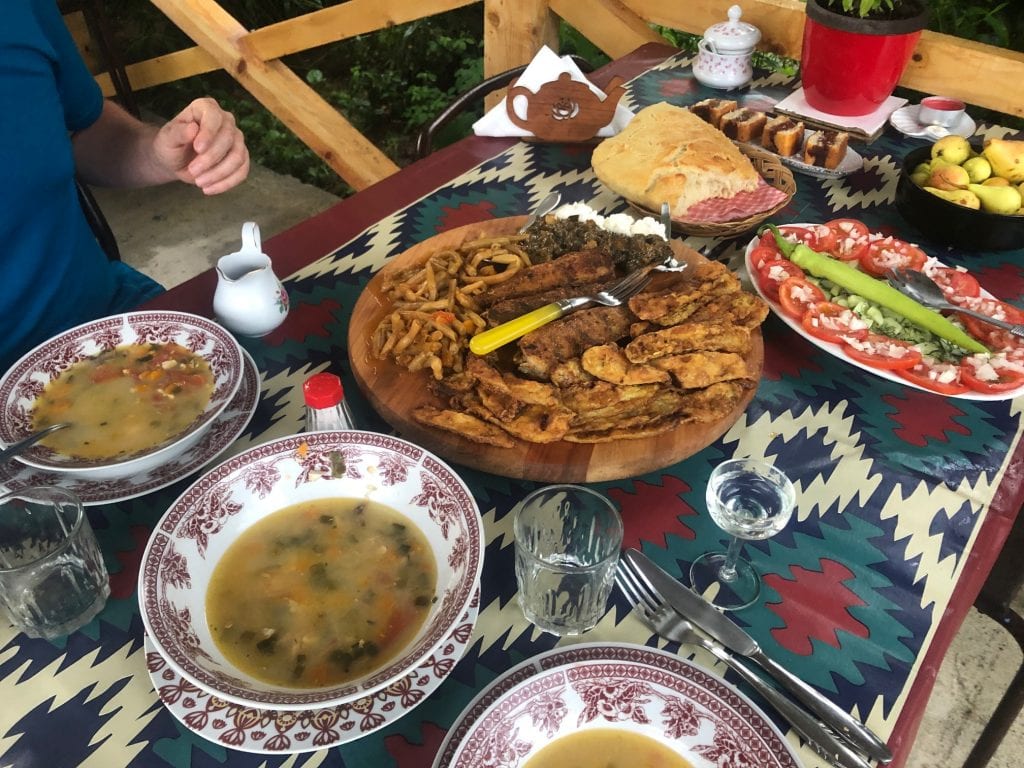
(749, 500)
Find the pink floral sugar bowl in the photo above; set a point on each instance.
(725, 51)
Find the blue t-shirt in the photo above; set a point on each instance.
(53, 274)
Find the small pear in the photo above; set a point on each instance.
(978, 168)
(1006, 157)
(921, 179)
(938, 162)
(964, 197)
(1001, 200)
(954, 149)
(949, 177)
(996, 181)
(923, 168)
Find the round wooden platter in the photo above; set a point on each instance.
(395, 393)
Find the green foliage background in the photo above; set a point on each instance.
(389, 84)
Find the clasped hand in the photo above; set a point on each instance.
(203, 146)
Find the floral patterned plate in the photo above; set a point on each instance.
(26, 380)
(270, 731)
(598, 686)
(209, 516)
(225, 429)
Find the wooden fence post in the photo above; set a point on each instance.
(280, 90)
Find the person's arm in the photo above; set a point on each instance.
(200, 146)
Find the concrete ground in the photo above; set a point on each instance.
(174, 232)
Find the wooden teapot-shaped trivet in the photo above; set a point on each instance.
(564, 109)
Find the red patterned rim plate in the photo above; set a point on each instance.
(208, 517)
(22, 384)
(271, 731)
(601, 685)
(222, 433)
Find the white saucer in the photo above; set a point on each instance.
(904, 120)
(225, 429)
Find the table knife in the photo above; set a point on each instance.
(712, 621)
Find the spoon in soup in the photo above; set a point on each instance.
(27, 442)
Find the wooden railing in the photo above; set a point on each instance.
(514, 30)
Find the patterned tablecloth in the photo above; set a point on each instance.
(904, 496)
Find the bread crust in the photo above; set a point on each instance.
(668, 154)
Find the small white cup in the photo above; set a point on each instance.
(940, 110)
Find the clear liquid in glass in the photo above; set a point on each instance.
(751, 506)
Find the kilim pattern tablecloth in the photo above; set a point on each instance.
(894, 488)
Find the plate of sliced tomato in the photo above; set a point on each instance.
(811, 312)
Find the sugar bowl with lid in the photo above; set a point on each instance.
(724, 53)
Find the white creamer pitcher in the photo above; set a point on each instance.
(249, 299)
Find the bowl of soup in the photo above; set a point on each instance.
(312, 570)
(614, 705)
(137, 389)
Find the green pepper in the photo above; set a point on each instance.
(877, 291)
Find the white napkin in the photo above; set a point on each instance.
(545, 67)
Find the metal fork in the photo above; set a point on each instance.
(667, 623)
(500, 335)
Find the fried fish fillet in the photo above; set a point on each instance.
(464, 425)
(714, 402)
(693, 370)
(569, 373)
(571, 269)
(534, 423)
(541, 350)
(689, 337)
(525, 391)
(680, 300)
(604, 397)
(637, 408)
(739, 308)
(503, 407)
(608, 363)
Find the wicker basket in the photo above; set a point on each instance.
(771, 169)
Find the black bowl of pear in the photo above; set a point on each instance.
(966, 195)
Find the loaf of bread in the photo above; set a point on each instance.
(668, 154)
(711, 110)
(743, 124)
(826, 148)
(783, 135)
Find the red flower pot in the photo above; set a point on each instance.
(849, 65)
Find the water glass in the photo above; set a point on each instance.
(567, 541)
(52, 577)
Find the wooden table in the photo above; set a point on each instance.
(905, 497)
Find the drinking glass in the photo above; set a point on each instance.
(750, 500)
(567, 541)
(52, 577)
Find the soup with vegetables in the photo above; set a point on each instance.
(606, 748)
(321, 592)
(124, 401)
